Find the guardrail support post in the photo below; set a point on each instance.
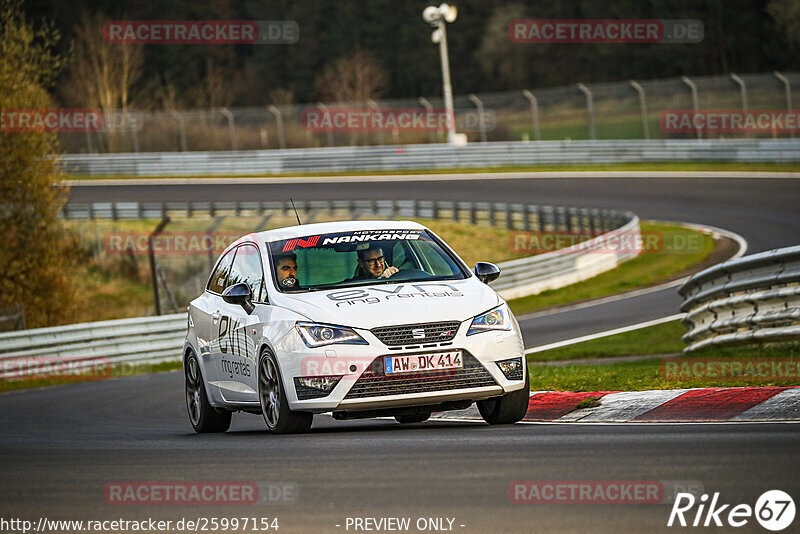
(509, 218)
(537, 133)
(643, 106)
(695, 101)
(481, 124)
(788, 91)
(151, 256)
(279, 125)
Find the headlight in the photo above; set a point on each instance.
(496, 319)
(319, 335)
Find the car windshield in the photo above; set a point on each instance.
(363, 257)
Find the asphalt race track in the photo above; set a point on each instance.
(61, 446)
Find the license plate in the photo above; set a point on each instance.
(415, 363)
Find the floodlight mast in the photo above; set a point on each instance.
(438, 17)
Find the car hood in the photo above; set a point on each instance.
(391, 304)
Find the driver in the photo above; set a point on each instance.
(286, 269)
(371, 264)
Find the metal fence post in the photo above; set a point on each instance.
(151, 256)
(537, 133)
(695, 100)
(132, 128)
(481, 124)
(643, 106)
(231, 126)
(788, 89)
(742, 90)
(428, 109)
(279, 125)
(374, 105)
(181, 129)
(323, 107)
(589, 109)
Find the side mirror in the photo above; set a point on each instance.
(486, 272)
(240, 294)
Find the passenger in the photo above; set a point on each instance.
(286, 269)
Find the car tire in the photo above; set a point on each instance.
(274, 404)
(507, 409)
(204, 417)
(412, 418)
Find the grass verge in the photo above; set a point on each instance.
(763, 365)
(682, 250)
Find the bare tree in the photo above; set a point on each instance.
(787, 16)
(355, 78)
(102, 74)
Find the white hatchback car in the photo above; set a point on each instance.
(357, 318)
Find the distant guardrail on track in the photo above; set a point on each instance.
(750, 299)
(429, 156)
(521, 277)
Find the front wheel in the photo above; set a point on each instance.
(274, 406)
(507, 409)
(203, 416)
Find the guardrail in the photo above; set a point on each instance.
(142, 340)
(429, 156)
(157, 339)
(750, 299)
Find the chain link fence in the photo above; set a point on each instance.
(620, 110)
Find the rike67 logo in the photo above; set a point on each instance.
(774, 510)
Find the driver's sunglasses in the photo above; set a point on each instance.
(375, 261)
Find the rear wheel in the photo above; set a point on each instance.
(412, 418)
(507, 409)
(203, 416)
(274, 406)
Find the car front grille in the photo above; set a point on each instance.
(374, 383)
(425, 332)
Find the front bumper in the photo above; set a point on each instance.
(364, 386)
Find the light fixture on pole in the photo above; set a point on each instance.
(438, 17)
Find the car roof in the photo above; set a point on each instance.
(290, 232)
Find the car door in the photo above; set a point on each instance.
(204, 312)
(237, 330)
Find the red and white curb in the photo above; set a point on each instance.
(658, 406)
